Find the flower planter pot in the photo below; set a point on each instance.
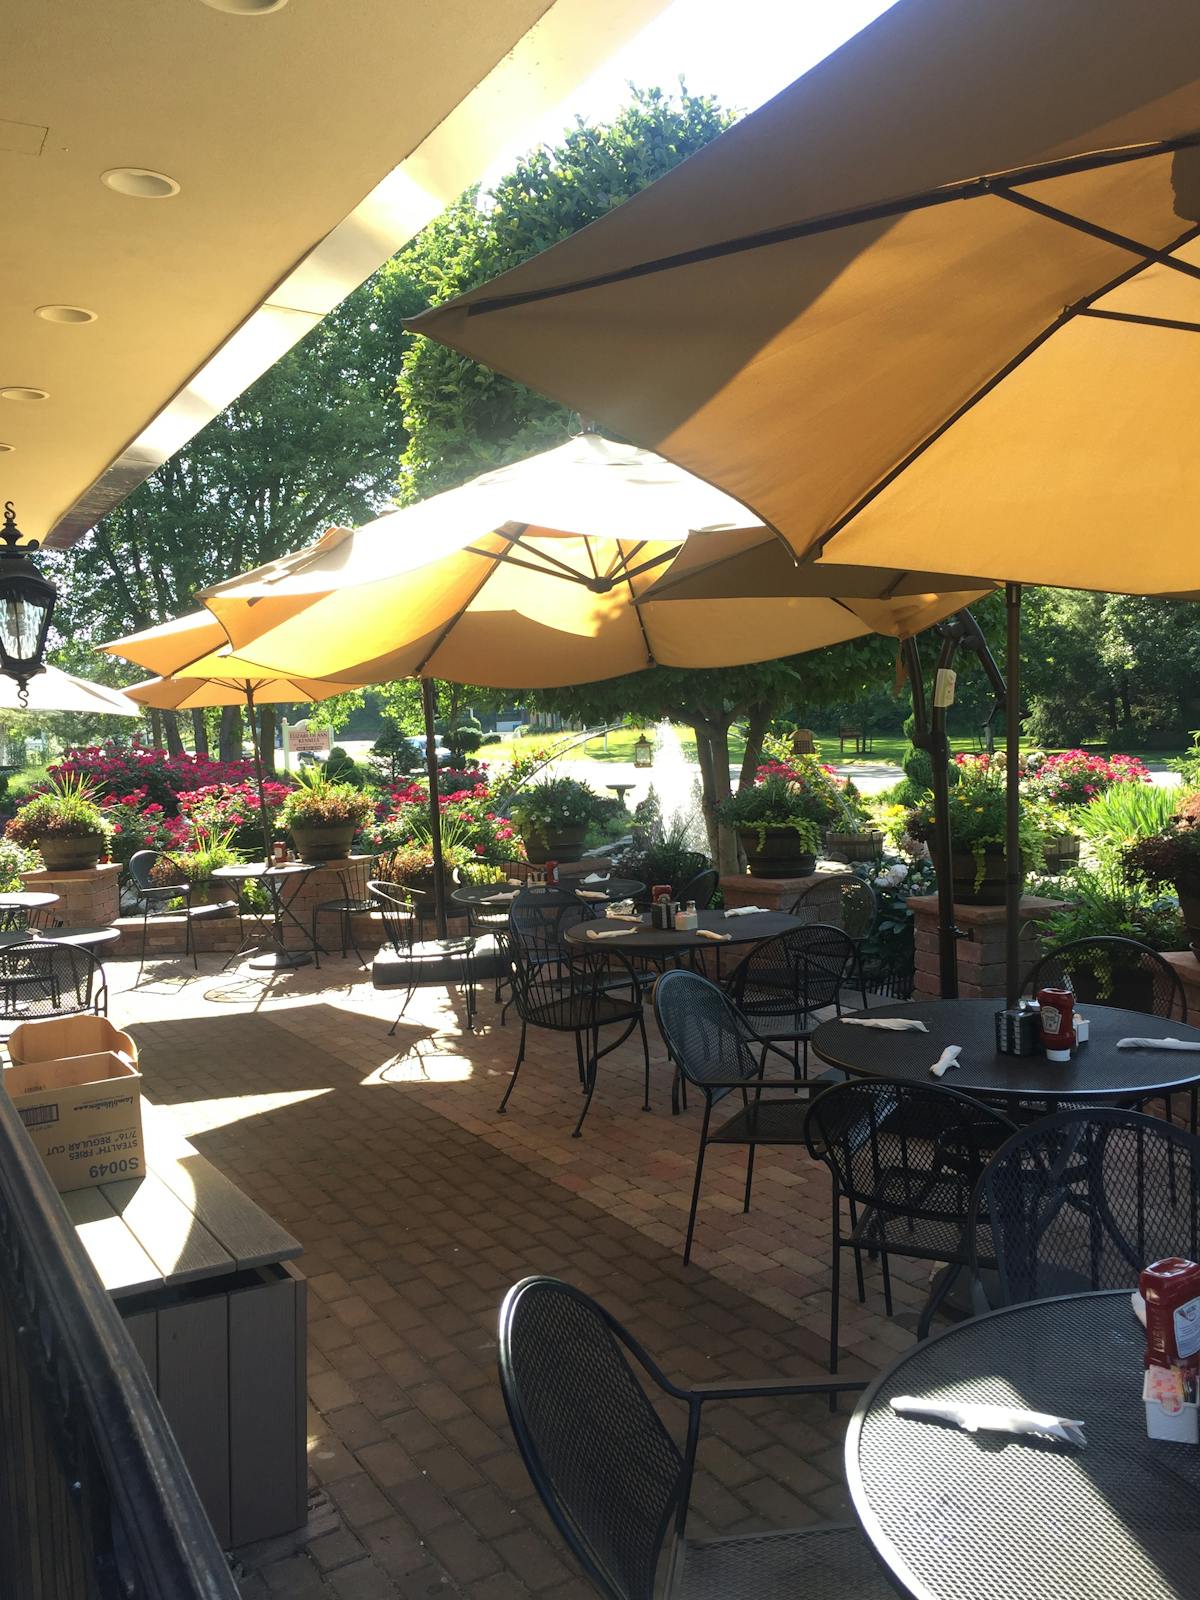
(782, 854)
(1062, 851)
(560, 844)
(864, 846)
(70, 852)
(1189, 904)
(323, 844)
(992, 886)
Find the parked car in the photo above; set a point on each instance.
(417, 746)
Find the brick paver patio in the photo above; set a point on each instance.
(418, 1206)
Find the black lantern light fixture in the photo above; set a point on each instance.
(643, 753)
(26, 607)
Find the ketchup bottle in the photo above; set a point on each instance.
(1171, 1290)
(551, 871)
(1056, 1021)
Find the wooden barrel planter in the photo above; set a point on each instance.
(864, 846)
(782, 853)
(564, 844)
(991, 888)
(1062, 852)
(323, 844)
(70, 852)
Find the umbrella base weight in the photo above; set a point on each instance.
(274, 960)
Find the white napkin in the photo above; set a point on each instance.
(499, 899)
(746, 911)
(892, 1024)
(609, 933)
(947, 1059)
(593, 877)
(1158, 1044)
(993, 1419)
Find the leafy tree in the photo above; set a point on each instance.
(312, 443)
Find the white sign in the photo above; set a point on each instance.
(311, 741)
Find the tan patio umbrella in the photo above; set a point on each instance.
(231, 683)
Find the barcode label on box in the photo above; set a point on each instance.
(39, 1116)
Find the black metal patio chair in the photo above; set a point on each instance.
(846, 902)
(169, 899)
(905, 1158)
(567, 990)
(355, 900)
(580, 1393)
(783, 982)
(406, 961)
(1083, 1199)
(715, 1049)
(43, 979)
(701, 888)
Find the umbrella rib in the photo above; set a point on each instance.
(1149, 253)
(565, 574)
(879, 211)
(633, 600)
(419, 670)
(1177, 323)
(972, 400)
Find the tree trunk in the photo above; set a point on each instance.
(171, 729)
(756, 728)
(199, 733)
(712, 746)
(707, 802)
(231, 733)
(156, 727)
(266, 738)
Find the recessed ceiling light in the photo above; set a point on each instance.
(68, 314)
(140, 183)
(19, 392)
(246, 8)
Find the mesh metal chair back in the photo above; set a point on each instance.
(400, 914)
(606, 1468)
(842, 902)
(700, 888)
(1113, 972)
(43, 979)
(708, 1039)
(794, 973)
(546, 973)
(1084, 1200)
(915, 1150)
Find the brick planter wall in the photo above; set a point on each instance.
(1188, 968)
(86, 899)
(980, 951)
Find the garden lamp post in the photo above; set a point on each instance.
(26, 607)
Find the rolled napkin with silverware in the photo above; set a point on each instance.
(992, 1419)
(1158, 1044)
(591, 894)
(609, 933)
(746, 911)
(499, 899)
(891, 1024)
(947, 1059)
(711, 933)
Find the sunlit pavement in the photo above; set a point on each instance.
(418, 1206)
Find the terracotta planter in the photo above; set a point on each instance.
(1062, 851)
(782, 854)
(1189, 904)
(991, 890)
(865, 846)
(70, 852)
(559, 844)
(323, 844)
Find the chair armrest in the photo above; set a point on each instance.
(750, 1083)
(762, 1388)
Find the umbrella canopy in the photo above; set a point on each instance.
(934, 305)
(563, 600)
(53, 690)
(186, 694)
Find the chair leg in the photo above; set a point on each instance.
(948, 1279)
(835, 1292)
(590, 1089)
(887, 1282)
(315, 945)
(516, 1068)
(646, 1059)
(749, 1177)
(145, 937)
(191, 940)
(409, 992)
(691, 1227)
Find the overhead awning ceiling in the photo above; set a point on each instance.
(309, 142)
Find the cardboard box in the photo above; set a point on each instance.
(84, 1115)
(58, 1037)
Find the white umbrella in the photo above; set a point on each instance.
(53, 690)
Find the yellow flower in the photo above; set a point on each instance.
(979, 808)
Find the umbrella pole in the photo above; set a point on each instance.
(1013, 874)
(258, 772)
(931, 737)
(435, 813)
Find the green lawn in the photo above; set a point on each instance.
(620, 746)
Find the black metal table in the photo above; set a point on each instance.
(16, 905)
(274, 956)
(495, 898)
(957, 1516)
(1097, 1071)
(640, 938)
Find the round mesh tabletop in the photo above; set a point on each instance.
(498, 896)
(753, 929)
(1097, 1071)
(959, 1516)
